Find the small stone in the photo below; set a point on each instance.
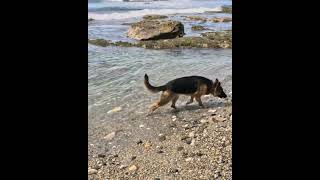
(97, 167)
(162, 137)
(174, 170)
(110, 136)
(133, 168)
(212, 110)
(191, 134)
(133, 158)
(92, 171)
(192, 142)
(189, 159)
(184, 154)
(122, 166)
(147, 145)
(186, 125)
(141, 126)
(139, 141)
(188, 140)
(116, 109)
(172, 125)
(203, 121)
(101, 156)
(180, 148)
(159, 151)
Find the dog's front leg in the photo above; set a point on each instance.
(198, 98)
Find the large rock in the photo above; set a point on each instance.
(156, 29)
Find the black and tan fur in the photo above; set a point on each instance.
(194, 86)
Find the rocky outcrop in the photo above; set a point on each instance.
(221, 39)
(156, 29)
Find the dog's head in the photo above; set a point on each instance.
(217, 90)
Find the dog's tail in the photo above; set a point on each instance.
(152, 88)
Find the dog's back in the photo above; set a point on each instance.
(188, 85)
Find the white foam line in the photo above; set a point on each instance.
(140, 13)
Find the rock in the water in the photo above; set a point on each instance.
(226, 9)
(154, 16)
(116, 109)
(198, 28)
(156, 29)
(90, 19)
(221, 19)
(92, 171)
(110, 136)
(196, 18)
(99, 42)
(133, 168)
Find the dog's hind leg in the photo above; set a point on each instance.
(191, 100)
(165, 97)
(174, 100)
(198, 98)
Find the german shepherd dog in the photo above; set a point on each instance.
(194, 86)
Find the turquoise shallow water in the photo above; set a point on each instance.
(115, 75)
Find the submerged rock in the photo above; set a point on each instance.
(156, 29)
(196, 18)
(221, 19)
(100, 42)
(226, 9)
(154, 16)
(198, 28)
(90, 19)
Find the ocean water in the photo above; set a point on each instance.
(115, 74)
